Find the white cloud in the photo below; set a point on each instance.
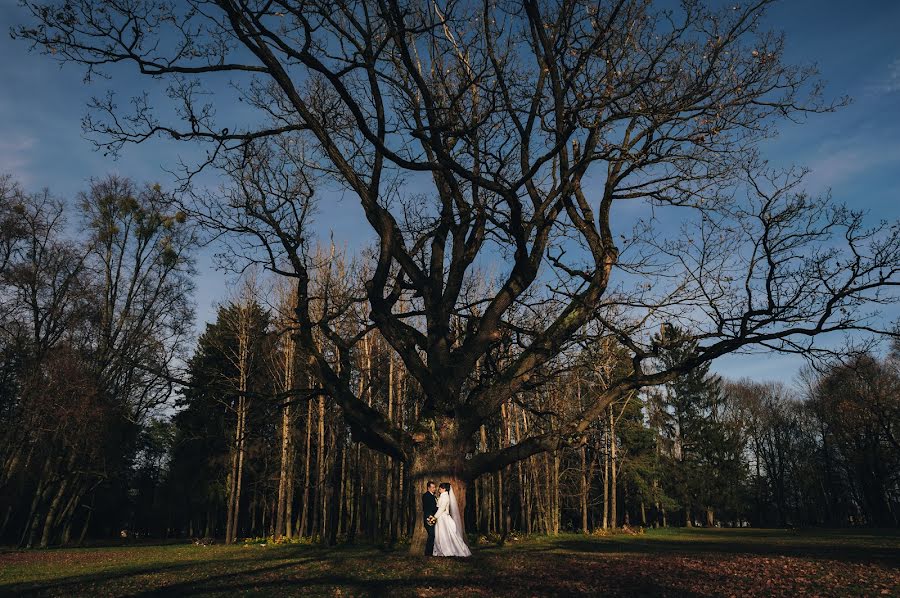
(834, 164)
(15, 157)
(843, 165)
(890, 83)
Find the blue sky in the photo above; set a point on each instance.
(855, 152)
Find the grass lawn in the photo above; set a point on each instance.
(716, 562)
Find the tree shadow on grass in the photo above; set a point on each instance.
(354, 585)
(357, 572)
(553, 576)
(564, 566)
(117, 579)
(760, 545)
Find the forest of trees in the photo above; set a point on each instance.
(697, 451)
(100, 437)
(90, 322)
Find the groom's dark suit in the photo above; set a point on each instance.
(429, 508)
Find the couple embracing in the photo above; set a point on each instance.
(443, 522)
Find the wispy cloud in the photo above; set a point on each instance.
(889, 83)
(848, 163)
(15, 156)
(853, 153)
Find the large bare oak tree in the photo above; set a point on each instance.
(502, 136)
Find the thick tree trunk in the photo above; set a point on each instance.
(439, 457)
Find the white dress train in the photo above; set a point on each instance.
(448, 537)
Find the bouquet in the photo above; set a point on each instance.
(431, 520)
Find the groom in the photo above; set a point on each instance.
(429, 508)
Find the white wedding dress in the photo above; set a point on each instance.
(449, 530)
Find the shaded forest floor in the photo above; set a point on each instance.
(716, 562)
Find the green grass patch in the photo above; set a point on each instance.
(672, 562)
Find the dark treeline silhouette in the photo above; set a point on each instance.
(697, 451)
(78, 311)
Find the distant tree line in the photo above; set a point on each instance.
(697, 451)
(94, 311)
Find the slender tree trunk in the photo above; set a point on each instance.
(356, 498)
(289, 500)
(548, 496)
(332, 500)
(67, 517)
(498, 502)
(613, 491)
(401, 469)
(585, 484)
(484, 497)
(606, 481)
(320, 478)
(33, 520)
(557, 511)
(52, 511)
(283, 477)
(343, 492)
(282, 516)
(87, 522)
(243, 330)
(528, 481)
(304, 509)
(238, 471)
(230, 487)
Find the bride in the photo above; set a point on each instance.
(449, 529)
